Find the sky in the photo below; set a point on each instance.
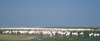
(50, 13)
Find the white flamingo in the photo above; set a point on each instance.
(81, 33)
(90, 34)
(75, 33)
(96, 34)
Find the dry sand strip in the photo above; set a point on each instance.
(5, 37)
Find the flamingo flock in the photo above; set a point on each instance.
(49, 31)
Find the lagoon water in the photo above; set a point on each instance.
(58, 38)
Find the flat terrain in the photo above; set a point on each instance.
(74, 27)
(54, 38)
(57, 27)
(6, 37)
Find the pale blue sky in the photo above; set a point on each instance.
(65, 13)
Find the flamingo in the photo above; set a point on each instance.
(96, 34)
(68, 34)
(82, 34)
(75, 33)
(90, 34)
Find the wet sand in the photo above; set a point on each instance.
(9, 37)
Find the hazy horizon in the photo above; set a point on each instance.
(50, 13)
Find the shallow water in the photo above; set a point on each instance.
(59, 38)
